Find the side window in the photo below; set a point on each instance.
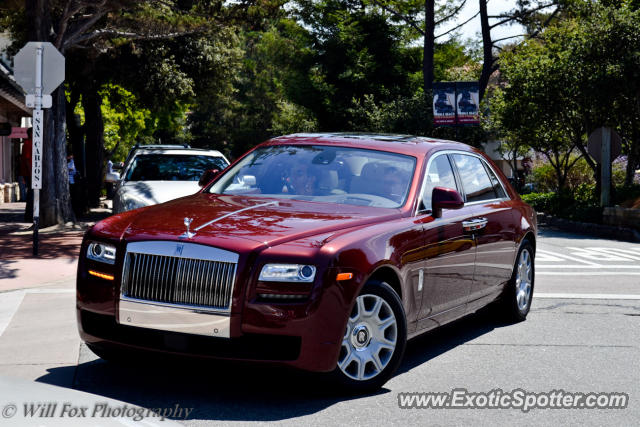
(440, 174)
(496, 183)
(475, 181)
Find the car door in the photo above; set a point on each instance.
(493, 227)
(449, 251)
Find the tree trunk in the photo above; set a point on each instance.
(487, 49)
(429, 45)
(94, 144)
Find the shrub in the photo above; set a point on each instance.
(541, 202)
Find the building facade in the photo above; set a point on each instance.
(14, 112)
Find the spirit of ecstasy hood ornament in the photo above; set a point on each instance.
(188, 234)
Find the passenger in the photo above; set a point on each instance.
(392, 186)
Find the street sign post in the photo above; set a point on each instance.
(39, 69)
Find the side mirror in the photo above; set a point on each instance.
(117, 166)
(445, 198)
(112, 177)
(208, 176)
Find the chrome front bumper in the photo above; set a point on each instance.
(172, 317)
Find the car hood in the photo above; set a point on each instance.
(153, 192)
(224, 221)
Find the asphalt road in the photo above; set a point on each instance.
(582, 335)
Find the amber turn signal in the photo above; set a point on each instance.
(344, 276)
(101, 275)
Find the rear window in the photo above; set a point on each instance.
(172, 167)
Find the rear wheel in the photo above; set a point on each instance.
(519, 291)
(374, 340)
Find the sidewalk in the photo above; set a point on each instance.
(56, 262)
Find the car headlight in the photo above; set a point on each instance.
(102, 252)
(288, 273)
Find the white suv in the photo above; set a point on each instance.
(157, 174)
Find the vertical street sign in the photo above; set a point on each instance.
(36, 155)
(39, 69)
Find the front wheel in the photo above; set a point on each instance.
(519, 291)
(374, 340)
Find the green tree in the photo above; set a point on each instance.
(570, 80)
(87, 33)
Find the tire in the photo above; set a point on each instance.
(518, 294)
(374, 341)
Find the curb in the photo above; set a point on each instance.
(596, 230)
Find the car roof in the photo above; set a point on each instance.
(198, 151)
(404, 144)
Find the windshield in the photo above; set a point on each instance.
(322, 173)
(172, 167)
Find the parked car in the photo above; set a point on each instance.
(325, 252)
(156, 174)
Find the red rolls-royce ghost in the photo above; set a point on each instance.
(325, 252)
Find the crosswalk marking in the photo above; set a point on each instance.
(596, 255)
(564, 257)
(586, 296)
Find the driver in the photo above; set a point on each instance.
(301, 181)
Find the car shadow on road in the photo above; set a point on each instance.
(228, 391)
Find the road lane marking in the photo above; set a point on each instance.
(587, 273)
(593, 267)
(9, 304)
(587, 296)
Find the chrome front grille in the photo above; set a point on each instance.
(162, 272)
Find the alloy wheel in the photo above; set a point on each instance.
(524, 280)
(370, 338)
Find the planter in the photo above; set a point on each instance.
(8, 193)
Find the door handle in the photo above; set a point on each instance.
(474, 224)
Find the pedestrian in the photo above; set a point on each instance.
(25, 173)
(73, 185)
(109, 185)
(71, 166)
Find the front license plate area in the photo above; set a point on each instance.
(174, 318)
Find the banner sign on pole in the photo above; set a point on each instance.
(467, 103)
(444, 101)
(456, 103)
